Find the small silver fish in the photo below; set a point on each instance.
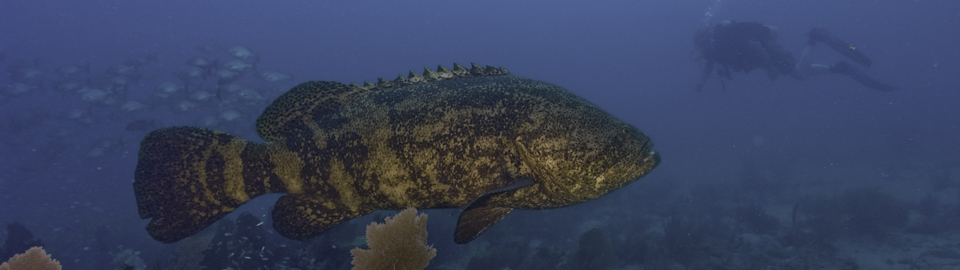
(243, 53)
(187, 73)
(235, 65)
(73, 69)
(273, 76)
(201, 62)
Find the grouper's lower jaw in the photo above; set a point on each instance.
(623, 173)
(656, 159)
(645, 166)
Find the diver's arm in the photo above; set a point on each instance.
(707, 70)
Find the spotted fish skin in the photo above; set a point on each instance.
(341, 151)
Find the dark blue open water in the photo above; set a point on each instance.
(67, 159)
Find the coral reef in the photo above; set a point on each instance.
(516, 255)
(128, 259)
(931, 219)
(753, 218)
(871, 211)
(860, 211)
(929, 206)
(682, 237)
(710, 226)
(497, 258)
(595, 252)
(398, 243)
(545, 257)
(818, 220)
(34, 258)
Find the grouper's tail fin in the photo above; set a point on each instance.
(187, 178)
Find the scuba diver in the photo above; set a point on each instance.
(745, 46)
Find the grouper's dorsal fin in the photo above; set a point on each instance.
(428, 75)
(308, 101)
(302, 104)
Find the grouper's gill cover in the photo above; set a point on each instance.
(477, 139)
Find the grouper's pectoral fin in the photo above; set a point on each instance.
(475, 220)
(523, 182)
(477, 216)
(304, 216)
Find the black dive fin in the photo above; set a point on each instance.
(523, 182)
(846, 49)
(475, 220)
(302, 216)
(845, 68)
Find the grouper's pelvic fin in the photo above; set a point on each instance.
(187, 178)
(308, 101)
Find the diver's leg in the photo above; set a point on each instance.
(707, 70)
(816, 69)
(818, 34)
(802, 70)
(807, 57)
(845, 68)
(757, 49)
(805, 68)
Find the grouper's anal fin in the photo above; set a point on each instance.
(303, 103)
(475, 220)
(303, 216)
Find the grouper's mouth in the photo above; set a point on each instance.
(650, 162)
(656, 159)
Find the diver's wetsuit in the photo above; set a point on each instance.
(735, 47)
(745, 46)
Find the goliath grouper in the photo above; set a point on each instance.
(480, 140)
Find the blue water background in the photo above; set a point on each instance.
(632, 58)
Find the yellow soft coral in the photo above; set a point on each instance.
(398, 243)
(34, 259)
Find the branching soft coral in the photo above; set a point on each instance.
(34, 259)
(398, 243)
